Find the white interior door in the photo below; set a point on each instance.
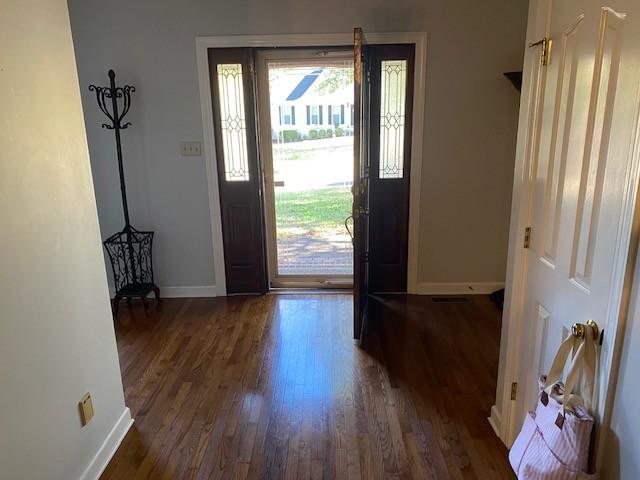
(584, 177)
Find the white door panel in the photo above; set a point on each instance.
(584, 176)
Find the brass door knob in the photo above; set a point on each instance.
(579, 330)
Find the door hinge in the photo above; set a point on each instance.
(545, 54)
(514, 390)
(527, 237)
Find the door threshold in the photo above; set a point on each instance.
(309, 291)
(312, 283)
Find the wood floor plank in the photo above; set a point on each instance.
(274, 387)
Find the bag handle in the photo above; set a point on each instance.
(577, 367)
(583, 368)
(559, 361)
(584, 361)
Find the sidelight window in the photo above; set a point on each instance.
(232, 122)
(393, 83)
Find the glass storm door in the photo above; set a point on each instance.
(305, 102)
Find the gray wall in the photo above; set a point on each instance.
(56, 330)
(471, 118)
(622, 459)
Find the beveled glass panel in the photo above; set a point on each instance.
(232, 122)
(393, 92)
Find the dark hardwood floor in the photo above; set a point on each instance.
(275, 387)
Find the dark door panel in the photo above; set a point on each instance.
(391, 102)
(241, 252)
(392, 225)
(388, 272)
(233, 103)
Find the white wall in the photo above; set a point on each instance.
(622, 455)
(471, 118)
(56, 333)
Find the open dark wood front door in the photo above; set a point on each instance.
(360, 184)
(233, 99)
(383, 79)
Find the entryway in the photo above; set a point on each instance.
(306, 124)
(270, 176)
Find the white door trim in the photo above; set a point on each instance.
(512, 365)
(419, 39)
(501, 418)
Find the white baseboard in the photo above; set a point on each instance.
(182, 292)
(457, 288)
(195, 291)
(495, 420)
(108, 447)
(425, 288)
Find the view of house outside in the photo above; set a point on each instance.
(312, 141)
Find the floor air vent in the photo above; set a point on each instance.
(449, 299)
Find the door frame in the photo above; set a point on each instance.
(296, 57)
(419, 39)
(511, 364)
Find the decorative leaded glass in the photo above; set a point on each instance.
(232, 122)
(393, 91)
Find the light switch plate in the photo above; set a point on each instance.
(86, 408)
(191, 149)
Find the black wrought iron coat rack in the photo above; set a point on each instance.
(130, 251)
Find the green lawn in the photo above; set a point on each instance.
(314, 211)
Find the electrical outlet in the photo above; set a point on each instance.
(191, 149)
(86, 408)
